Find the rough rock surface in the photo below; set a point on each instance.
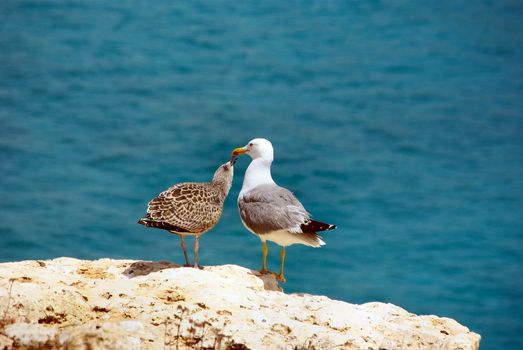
(122, 304)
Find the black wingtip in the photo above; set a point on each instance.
(316, 226)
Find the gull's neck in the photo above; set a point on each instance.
(257, 173)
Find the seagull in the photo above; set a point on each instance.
(190, 208)
(270, 211)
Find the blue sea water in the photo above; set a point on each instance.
(399, 121)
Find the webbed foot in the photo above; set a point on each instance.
(279, 277)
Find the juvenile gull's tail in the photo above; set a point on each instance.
(148, 222)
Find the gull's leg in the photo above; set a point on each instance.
(265, 250)
(196, 246)
(185, 252)
(281, 265)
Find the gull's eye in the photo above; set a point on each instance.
(251, 144)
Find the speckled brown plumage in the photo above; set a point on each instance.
(191, 208)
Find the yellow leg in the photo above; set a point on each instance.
(281, 265)
(265, 250)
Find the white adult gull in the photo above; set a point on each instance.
(272, 212)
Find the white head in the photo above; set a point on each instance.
(257, 148)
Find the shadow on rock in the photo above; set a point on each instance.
(269, 281)
(143, 268)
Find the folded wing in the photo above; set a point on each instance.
(186, 207)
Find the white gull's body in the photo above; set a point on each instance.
(272, 212)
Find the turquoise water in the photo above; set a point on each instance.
(398, 121)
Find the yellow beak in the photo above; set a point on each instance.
(238, 151)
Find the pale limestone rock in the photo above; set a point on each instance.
(123, 304)
(32, 335)
(5, 342)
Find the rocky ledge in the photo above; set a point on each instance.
(123, 304)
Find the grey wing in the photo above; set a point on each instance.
(192, 206)
(271, 208)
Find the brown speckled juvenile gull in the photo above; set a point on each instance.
(272, 212)
(190, 208)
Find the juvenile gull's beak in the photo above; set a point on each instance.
(233, 160)
(237, 151)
